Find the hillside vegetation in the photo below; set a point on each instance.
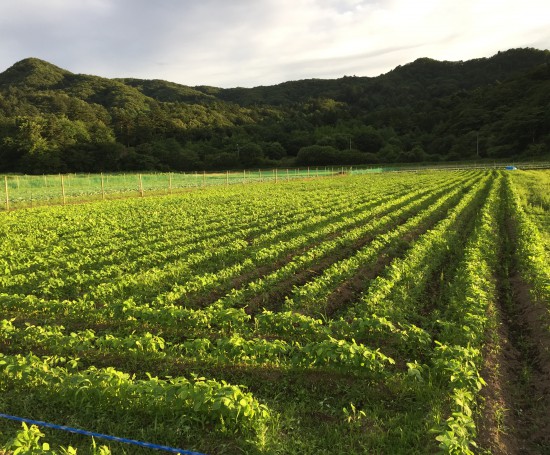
(52, 120)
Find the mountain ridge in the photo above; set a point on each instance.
(53, 120)
(530, 57)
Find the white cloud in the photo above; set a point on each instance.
(254, 42)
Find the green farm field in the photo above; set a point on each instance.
(350, 314)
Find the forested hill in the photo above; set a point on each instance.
(52, 120)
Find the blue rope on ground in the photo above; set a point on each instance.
(99, 435)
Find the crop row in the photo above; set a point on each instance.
(231, 318)
(55, 268)
(379, 287)
(530, 247)
(170, 313)
(95, 392)
(457, 358)
(315, 293)
(339, 355)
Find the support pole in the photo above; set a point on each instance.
(62, 188)
(7, 194)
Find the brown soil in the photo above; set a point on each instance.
(516, 401)
(349, 290)
(532, 373)
(242, 280)
(274, 299)
(497, 424)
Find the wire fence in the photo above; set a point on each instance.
(19, 191)
(451, 167)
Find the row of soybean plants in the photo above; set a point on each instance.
(152, 241)
(326, 351)
(94, 246)
(58, 255)
(529, 218)
(166, 308)
(463, 328)
(227, 349)
(531, 222)
(456, 328)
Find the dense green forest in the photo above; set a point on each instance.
(52, 120)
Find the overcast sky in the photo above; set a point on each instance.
(230, 43)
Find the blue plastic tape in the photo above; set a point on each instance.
(101, 436)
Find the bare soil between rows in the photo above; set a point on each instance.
(515, 416)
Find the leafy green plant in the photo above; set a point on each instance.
(27, 442)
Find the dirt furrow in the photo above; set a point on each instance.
(516, 401)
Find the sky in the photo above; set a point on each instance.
(246, 43)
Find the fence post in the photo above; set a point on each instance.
(308, 171)
(276, 175)
(203, 178)
(102, 187)
(62, 188)
(244, 176)
(287, 176)
(140, 186)
(226, 178)
(7, 194)
(170, 182)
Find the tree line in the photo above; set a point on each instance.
(52, 120)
